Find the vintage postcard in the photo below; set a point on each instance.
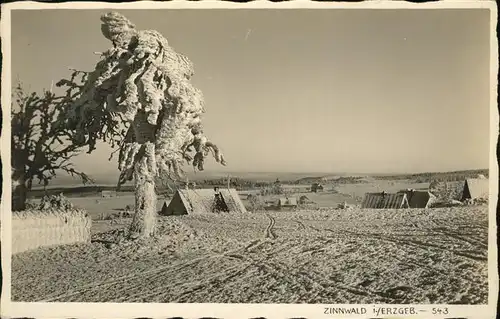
(242, 160)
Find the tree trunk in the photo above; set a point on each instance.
(19, 191)
(19, 195)
(144, 221)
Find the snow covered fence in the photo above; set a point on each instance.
(32, 229)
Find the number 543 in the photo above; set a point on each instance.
(439, 311)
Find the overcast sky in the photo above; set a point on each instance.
(375, 91)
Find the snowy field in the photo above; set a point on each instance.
(330, 256)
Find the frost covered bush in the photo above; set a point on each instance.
(446, 191)
(275, 189)
(255, 203)
(54, 202)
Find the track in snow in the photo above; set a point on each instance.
(270, 228)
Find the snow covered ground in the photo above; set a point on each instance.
(329, 256)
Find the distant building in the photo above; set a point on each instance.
(108, 194)
(304, 200)
(190, 185)
(316, 187)
(343, 205)
(201, 201)
(287, 202)
(385, 201)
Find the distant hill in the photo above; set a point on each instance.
(335, 179)
(245, 180)
(437, 176)
(418, 177)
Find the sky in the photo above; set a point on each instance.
(332, 90)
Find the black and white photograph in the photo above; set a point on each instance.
(246, 155)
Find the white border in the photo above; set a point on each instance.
(131, 310)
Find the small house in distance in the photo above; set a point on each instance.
(316, 187)
(475, 188)
(108, 194)
(203, 201)
(287, 202)
(385, 200)
(305, 200)
(307, 203)
(190, 185)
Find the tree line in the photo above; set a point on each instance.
(439, 176)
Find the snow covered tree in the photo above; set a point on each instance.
(140, 90)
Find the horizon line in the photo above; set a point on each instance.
(322, 173)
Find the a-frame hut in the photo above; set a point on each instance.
(201, 201)
(475, 188)
(419, 199)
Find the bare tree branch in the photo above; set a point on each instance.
(40, 145)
